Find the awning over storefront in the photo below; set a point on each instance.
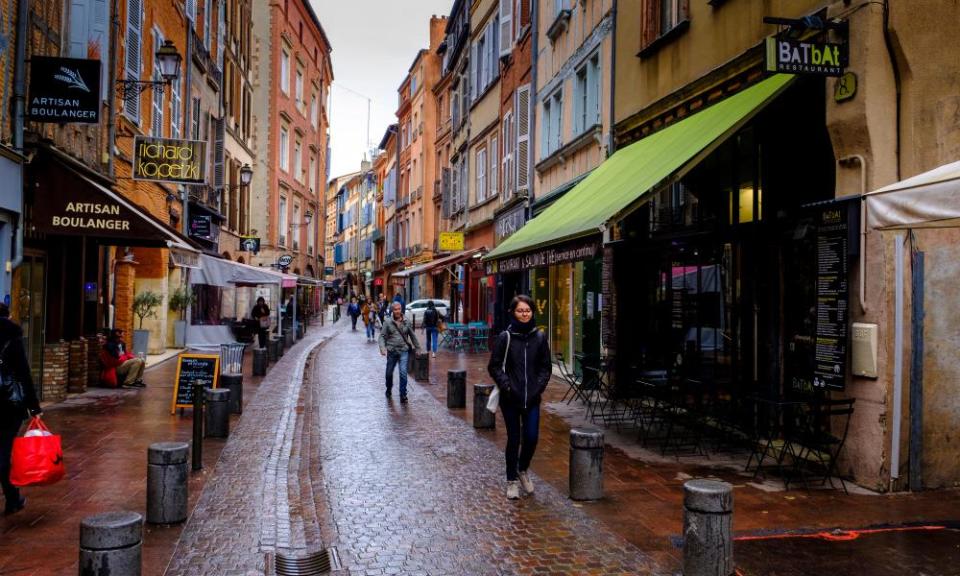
(928, 200)
(68, 201)
(437, 265)
(218, 272)
(617, 185)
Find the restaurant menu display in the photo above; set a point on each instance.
(832, 300)
(190, 368)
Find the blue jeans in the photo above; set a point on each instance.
(523, 431)
(394, 358)
(432, 336)
(371, 330)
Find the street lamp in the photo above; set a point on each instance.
(307, 219)
(246, 176)
(168, 61)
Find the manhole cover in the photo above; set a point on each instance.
(306, 564)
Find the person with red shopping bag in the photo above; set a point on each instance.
(17, 398)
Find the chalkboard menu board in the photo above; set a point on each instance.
(192, 367)
(830, 369)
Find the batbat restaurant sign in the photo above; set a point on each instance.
(796, 57)
(64, 90)
(166, 160)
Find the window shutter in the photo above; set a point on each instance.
(455, 189)
(192, 9)
(219, 125)
(494, 161)
(684, 11)
(593, 92)
(445, 187)
(650, 28)
(506, 27)
(79, 29)
(523, 138)
(131, 106)
(473, 72)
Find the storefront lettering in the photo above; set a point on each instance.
(804, 53)
(544, 258)
(169, 160)
(90, 223)
(793, 56)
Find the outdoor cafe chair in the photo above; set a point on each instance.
(816, 448)
(572, 380)
(480, 337)
(775, 422)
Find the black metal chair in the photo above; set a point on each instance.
(816, 448)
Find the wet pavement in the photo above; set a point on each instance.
(415, 489)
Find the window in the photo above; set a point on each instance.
(157, 116)
(285, 72)
(481, 174)
(207, 24)
(299, 90)
(659, 17)
(552, 122)
(311, 234)
(586, 95)
(195, 119)
(284, 149)
(494, 160)
(312, 177)
(282, 226)
(221, 32)
(298, 160)
(296, 221)
(314, 111)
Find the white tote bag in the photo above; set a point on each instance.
(494, 401)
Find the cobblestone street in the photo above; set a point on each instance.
(412, 489)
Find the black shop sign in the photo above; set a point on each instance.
(64, 90)
(573, 251)
(833, 298)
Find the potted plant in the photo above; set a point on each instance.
(145, 305)
(179, 301)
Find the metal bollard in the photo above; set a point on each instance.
(421, 372)
(234, 383)
(167, 482)
(197, 425)
(273, 353)
(218, 412)
(456, 388)
(586, 464)
(707, 528)
(282, 344)
(482, 418)
(111, 544)
(260, 361)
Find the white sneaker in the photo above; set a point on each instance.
(434, 354)
(526, 482)
(513, 490)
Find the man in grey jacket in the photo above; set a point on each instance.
(397, 342)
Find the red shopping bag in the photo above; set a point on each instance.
(37, 457)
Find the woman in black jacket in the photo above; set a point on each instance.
(13, 365)
(520, 365)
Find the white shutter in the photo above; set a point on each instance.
(593, 91)
(506, 27)
(156, 115)
(523, 138)
(455, 189)
(131, 106)
(473, 73)
(79, 29)
(494, 161)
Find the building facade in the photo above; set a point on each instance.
(292, 77)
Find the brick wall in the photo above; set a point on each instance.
(94, 343)
(77, 369)
(56, 361)
(123, 300)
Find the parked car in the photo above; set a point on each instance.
(416, 309)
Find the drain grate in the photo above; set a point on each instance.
(306, 564)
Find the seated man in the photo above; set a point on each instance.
(120, 365)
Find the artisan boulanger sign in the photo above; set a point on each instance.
(166, 160)
(64, 90)
(806, 57)
(569, 252)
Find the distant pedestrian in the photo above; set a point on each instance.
(383, 307)
(120, 366)
(520, 365)
(371, 319)
(397, 342)
(261, 313)
(353, 310)
(431, 323)
(14, 367)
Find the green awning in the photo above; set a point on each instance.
(639, 168)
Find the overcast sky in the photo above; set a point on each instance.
(374, 43)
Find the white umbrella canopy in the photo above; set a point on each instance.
(928, 200)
